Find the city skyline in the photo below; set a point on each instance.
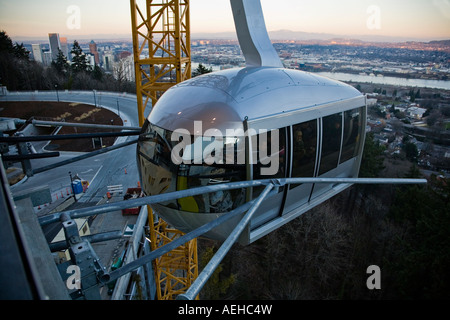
(403, 19)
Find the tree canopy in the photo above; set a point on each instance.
(201, 69)
(79, 59)
(372, 160)
(425, 210)
(6, 46)
(18, 72)
(61, 64)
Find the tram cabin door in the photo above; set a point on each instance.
(269, 158)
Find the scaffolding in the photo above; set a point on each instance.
(161, 47)
(162, 58)
(176, 270)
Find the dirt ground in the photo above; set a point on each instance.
(69, 112)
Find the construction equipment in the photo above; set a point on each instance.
(161, 47)
(162, 57)
(132, 193)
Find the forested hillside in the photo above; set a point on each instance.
(324, 254)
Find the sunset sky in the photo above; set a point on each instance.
(412, 19)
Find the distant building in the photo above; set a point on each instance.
(401, 108)
(55, 44)
(124, 54)
(416, 112)
(47, 58)
(38, 54)
(371, 102)
(381, 139)
(94, 52)
(91, 60)
(108, 61)
(65, 47)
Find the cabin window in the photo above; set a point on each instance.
(331, 142)
(352, 134)
(191, 176)
(270, 157)
(160, 174)
(304, 150)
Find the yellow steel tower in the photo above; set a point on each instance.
(162, 58)
(162, 47)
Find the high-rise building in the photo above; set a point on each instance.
(47, 58)
(55, 44)
(108, 61)
(37, 53)
(91, 60)
(94, 51)
(65, 47)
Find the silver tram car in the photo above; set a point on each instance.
(248, 124)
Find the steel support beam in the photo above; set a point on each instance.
(68, 136)
(163, 28)
(114, 275)
(209, 269)
(249, 209)
(30, 156)
(81, 125)
(162, 57)
(82, 157)
(119, 205)
(94, 238)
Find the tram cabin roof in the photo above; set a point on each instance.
(224, 99)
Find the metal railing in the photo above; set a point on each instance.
(248, 208)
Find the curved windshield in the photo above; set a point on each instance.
(171, 161)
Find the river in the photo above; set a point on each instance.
(419, 83)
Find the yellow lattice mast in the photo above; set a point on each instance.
(162, 47)
(162, 58)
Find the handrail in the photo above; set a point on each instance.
(209, 269)
(125, 204)
(249, 208)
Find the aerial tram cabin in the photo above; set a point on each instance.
(248, 124)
